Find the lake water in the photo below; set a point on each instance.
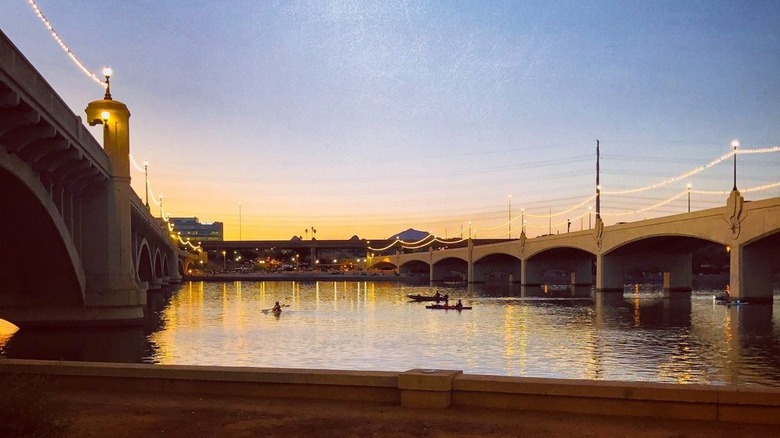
(372, 326)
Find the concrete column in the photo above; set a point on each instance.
(751, 272)
(112, 291)
(609, 275)
(529, 274)
(530, 278)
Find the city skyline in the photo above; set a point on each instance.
(368, 119)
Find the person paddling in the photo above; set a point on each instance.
(277, 308)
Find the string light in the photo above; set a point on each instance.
(133, 162)
(62, 44)
(748, 190)
(94, 77)
(662, 203)
(558, 213)
(694, 171)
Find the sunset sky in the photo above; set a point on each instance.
(370, 117)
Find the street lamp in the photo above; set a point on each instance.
(735, 145)
(239, 220)
(689, 197)
(549, 220)
(510, 216)
(598, 184)
(522, 220)
(107, 72)
(146, 181)
(589, 212)
(162, 215)
(224, 260)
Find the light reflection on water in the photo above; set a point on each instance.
(372, 326)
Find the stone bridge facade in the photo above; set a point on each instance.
(78, 247)
(749, 231)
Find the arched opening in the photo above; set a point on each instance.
(415, 268)
(38, 270)
(497, 269)
(450, 270)
(145, 266)
(665, 261)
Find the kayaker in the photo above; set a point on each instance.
(277, 308)
(446, 299)
(437, 295)
(458, 305)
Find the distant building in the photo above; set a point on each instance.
(191, 228)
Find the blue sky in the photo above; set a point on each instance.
(372, 117)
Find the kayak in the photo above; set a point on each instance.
(445, 307)
(425, 298)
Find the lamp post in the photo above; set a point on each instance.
(107, 72)
(522, 220)
(598, 185)
(510, 216)
(735, 145)
(224, 260)
(162, 215)
(589, 211)
(549, 221)
(239, 220)
(146, 182)
(689, 197)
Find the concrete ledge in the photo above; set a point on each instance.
(374, 386)
(426, 388)
(419, 388)
(693, 402)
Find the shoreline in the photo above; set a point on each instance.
(418, 389)
(302, 276)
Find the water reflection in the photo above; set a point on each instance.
(638, 335)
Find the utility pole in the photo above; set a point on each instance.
(598, 184)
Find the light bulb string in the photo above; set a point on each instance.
(62, 44)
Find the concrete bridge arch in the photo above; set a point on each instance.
(574, 260)
(450, 269)
(501, 267)
(671, 253)
(34, 227)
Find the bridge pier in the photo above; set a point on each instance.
(112, 292)
(609, 275)
(750, 272)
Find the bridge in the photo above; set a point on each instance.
(80, 247)
(749, 231)
(360, 247)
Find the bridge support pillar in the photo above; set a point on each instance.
(751, 272)
(112, 293)
(530, 278)
(609, 275)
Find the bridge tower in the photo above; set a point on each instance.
(108, 253)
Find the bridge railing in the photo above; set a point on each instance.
(33, 89)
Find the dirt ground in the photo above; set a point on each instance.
(103, 414)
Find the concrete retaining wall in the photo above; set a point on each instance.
(420, 389)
